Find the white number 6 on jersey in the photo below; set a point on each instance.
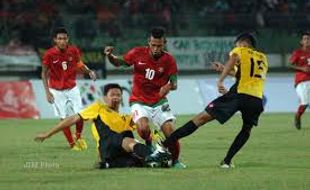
(64, 65)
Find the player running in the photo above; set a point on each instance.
(59, 70)
(245, 96)
(154, 76)
(300, 62)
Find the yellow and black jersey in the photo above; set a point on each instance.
(115, 121)
(251, 71)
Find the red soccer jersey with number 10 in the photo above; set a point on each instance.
(62, 67)
(301, 58)
(149, 75)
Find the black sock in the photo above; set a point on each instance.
(141, 150)
(239, 141)
(181, 132)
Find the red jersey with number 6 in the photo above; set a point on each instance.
(301, 58)
(62, 67)
(149, 75)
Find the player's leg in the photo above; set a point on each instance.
(303, 93)
(59, 106)
(141, 119)
(75, 98)
(250, 108)
(157, 158)
(188, 128)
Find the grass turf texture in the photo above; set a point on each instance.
(276, 157)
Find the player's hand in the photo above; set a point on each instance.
(164, 90)
(92, 75)
(108, 50)
(49, 97)
(217, 66)
(41, 137)
(221, 88)
(306, 69)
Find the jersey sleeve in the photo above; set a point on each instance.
(173, 70)
(47, 59)
(294, 57)
(130, 56)
(90, 112)
(236, 50)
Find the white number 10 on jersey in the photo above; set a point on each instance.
(149, 73)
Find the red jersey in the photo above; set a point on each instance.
(149, 75)
(62, 67)
(301, 58)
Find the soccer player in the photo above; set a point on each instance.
(113, 133)
(300, 62)
(245, 96)
(154, 76)
(59, 70)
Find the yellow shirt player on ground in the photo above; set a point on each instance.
(249, 66)
(113, 133)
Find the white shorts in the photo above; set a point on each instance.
(66, 102)
(303, 92)
(157, 115)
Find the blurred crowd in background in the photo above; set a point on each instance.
(31, 21)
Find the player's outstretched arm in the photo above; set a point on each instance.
(227, 68)
(61, 125)
(305, 69)
(219, 67)
(108, 51)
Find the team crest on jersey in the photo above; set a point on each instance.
(70, 58)
(211, 106)
(161, 69)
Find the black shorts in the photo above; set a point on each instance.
(224, 107)
(110, 148)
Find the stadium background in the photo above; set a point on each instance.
(269, 161)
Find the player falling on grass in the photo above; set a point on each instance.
(300, 62)
(113, 133)
(59, 70)
(244, 96)
(154, 76)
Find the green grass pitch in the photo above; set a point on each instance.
(277, 156)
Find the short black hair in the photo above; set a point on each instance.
(158, 32)
(110, 86)
(247, 36)
(305, 33)
(59, 30)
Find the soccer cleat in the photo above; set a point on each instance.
(81, 143)
(150, 147)
(179, 165)
(75, 147)
(297, 123)
(159, 158)
(224, 165)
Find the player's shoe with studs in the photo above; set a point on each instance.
(224, 165)
(81, 143)
(159, 158)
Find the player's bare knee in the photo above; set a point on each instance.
(128, 144)
(202, 118)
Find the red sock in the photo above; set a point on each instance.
(301, 110)
(79, 128)
(68, 136)
(146, 135)
(174, 149)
